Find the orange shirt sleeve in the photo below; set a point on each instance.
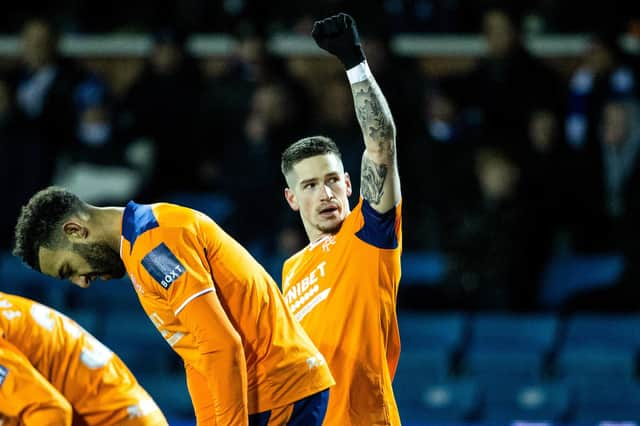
(26, 395)
(222, 362)
(201, 397)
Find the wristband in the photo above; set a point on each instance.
(360, 72)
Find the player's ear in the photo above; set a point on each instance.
(347, 182)
(291, 199)
(75, 231)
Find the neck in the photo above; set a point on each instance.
(110, 224)
(314, 238)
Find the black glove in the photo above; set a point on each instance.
(339, 36)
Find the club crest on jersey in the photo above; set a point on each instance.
(163, 266)
(3, 374)
(330, 241)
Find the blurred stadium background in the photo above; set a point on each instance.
(518, 136)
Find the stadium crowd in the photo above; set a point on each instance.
(504, 165)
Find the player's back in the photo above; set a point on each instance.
(179, 254)
(91, 377)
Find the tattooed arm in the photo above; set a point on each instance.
(379, 180)
(380, 183)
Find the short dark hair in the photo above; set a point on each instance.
(305, 148)
(38, 221)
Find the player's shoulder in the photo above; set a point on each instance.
(377, 229)
(14, 301)
(146, 225)
(174, 215)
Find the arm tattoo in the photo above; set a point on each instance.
(372, 180)
(373, 114)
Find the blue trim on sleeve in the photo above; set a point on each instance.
(4, 372)
(137, 219)
(379, 229)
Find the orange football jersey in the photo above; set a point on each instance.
(27, 398)
(343, 291)
(174, 255)
(97, 384)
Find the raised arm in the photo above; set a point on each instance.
(380, 181)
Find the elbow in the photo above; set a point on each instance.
(229, 347)
(65, 415)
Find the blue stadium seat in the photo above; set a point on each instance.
(565, 276)
(587, 364)
(507, 346)
(432, 331)
(489, 366)
(106, 297)
(603, 331)
(607, 400)
(543, 401)
(600, 346)
(537, 332)
(421, 366)
(169, 390)
(423, 267)
(452, 401)
(135, 339)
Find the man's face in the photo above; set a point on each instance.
(37, 44)
(319, 188)
(498, 33)
(82, 263)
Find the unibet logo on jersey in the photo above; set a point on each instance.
(163, 266)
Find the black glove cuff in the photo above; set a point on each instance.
(353, 58)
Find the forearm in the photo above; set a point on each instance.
(226, 375)
(374, 115)
(221, 363)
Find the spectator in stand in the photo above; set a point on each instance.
(43, 85)
(440, 185)
(164, 105)
(273, 120)
(9, 167)
(102, 164)
(492, 266)
(38, 116)
(506, 82)
(604, 71)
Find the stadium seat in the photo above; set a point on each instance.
(598, 347)
(135, 339)
(567, 275)
(428, 331)
(421, 366)
(489, 366)
(607, 400)
(169, 390)
(420, 268)
(603, 331)
(587, 364)
(507, 346)
(451, 401)
(537, 332)
(113, 296)
(504, 402)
